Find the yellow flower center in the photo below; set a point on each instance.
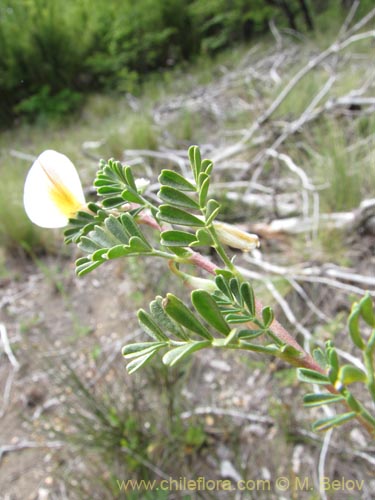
(64, 199)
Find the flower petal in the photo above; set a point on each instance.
(53, 190)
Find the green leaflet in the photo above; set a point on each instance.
(203, 239)
(209, 310)
(140, 349)
(174, 197)
(319, 399)
(164, 321)
(320, 357)
(247, 294)
(348, 374)
(132, 228)
(177, 238)
(327, 423)
(175, 180)
(250, 334)
(268, 316)
(180, 313)
(195, 161)
(175, 355)
(311, 376)
(117, 229)
(213, 209)
(129, 194)
(150, 326)
(367, 310)
(203, 192)
(137, 363)
(177, 216)
(84, 266)
(353, 324)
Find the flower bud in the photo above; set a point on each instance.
(236, 238)
(194, 282)
(53, 192)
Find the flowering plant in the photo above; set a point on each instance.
(224, 312)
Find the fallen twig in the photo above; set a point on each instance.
(7, 348)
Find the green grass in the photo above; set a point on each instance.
(347, 175)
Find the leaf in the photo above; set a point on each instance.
(180, 313)
(102, 238)
(319, 399)
(367, 310)
(132, 228)
(353, 324)
(327, 423)
(207, 166)
(348, 374)
(164, 321)
(268, 316)
(87, 245)
(150, 326)
(250, 334)
(209, 310)
(86, 267)
(177, 216)
(203, 177)
(225, 273)
(177, 238)
(238, 318)
(320, 357)
(333, 362)
(118, 251)
(311, 376)
(138, 245)
(175, 355)
(99, 255)
(108, 189)
(194, 154)
(117, 229)
(203, 192)
(132, 195)
(203, 239)
(333, 359)
(213, 209)
(197, 159)
(137, 363)
(177, 198)
(223, 286)
(113, 202)
(235, 289)
(247, 294)
(129, 177)
(141, 348)
(175, 180)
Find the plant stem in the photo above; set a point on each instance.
(164, 255)
(221, 252)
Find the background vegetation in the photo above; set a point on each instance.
(53, 52)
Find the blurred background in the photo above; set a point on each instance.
(281, 95)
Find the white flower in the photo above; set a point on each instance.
(53, 192)
(236, 238)
(142, 184)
